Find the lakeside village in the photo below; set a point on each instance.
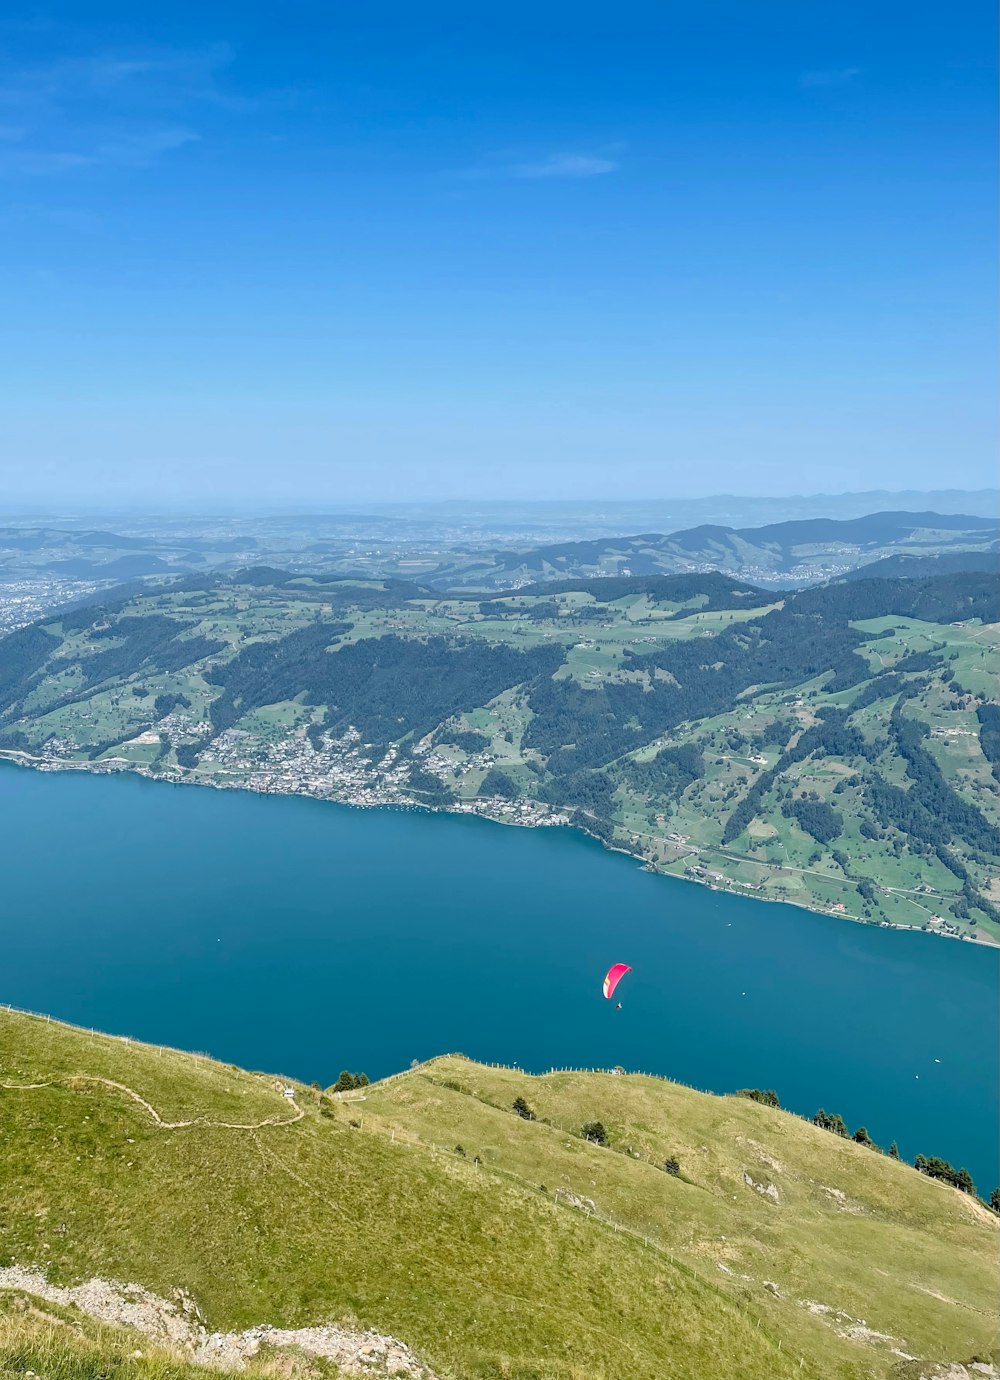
(342, 770)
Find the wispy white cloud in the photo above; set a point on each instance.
(549, 166)
(40, 162)
(114, 107)
(832, 76)
(563, 165)
(139, 148)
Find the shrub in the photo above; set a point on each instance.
(767, 1096)
(522, 1109)
(594, 1131)
(830, 1122)
(936, 1168)
(348, 1081)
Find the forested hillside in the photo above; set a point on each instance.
(835, 746)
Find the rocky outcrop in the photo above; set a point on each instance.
(179, 1326)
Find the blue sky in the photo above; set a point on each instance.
(314, 252)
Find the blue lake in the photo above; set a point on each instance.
(302, 937)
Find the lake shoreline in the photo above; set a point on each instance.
(20, 757)
(278, 935)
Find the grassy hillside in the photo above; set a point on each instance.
(488, 1244)
(836, 747)
(491, 1245)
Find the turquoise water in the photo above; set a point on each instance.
(302, 937)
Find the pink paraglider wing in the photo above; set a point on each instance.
(614, 976)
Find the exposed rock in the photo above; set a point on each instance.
(565, 1195)
(855, 1329)
(122, 1305)
(765, 1190)
(179, 1327)
(762, 1154)
(358, 1353)
(972, 1370)
(841, 1199)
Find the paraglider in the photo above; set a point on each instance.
(613, 977)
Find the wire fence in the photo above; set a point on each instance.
(128, 1040)
(357, 1094)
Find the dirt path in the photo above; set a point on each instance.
(151, 1110)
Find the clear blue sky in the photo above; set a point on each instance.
(320, 251)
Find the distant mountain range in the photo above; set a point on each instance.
(58, 564)
(798, 552)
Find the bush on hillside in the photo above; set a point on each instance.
(348, 1081)
(831, 1122)
(936, 1168)
(767, 1096)
(594, 1131)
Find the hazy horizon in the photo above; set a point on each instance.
(747, 510)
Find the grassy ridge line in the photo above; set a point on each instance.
(311, 1221)
(876, 1248)
(230, 1082)
(917, 1196)
(353, 1096)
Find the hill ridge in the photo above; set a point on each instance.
(559, 1215)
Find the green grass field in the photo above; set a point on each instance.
(491, 1245)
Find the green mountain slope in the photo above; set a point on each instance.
(835, 747)
(487, 1244)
